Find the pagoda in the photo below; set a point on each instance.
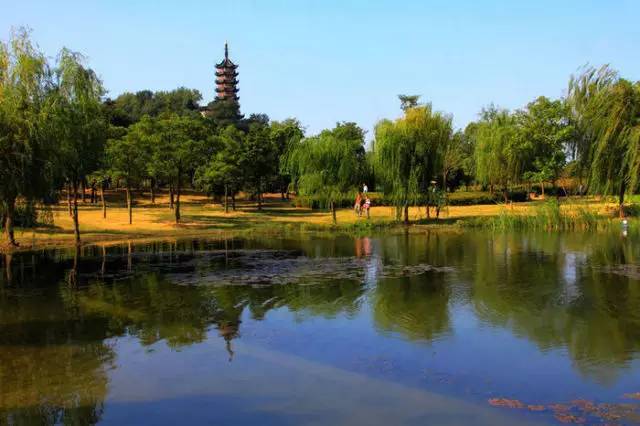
(226, 81)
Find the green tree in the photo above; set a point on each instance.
(128, 159)
(498, 154)
(583, 88)
(224, 169)
(180, 143)
(408, 101)
(285, 135)
(259, 159)
(327, 167)
(224, 112)
(26, 137)
(544, 132)
(453, 157)
(409, 154)
(129, 108)
(82, 125)
(616, 122)
(607, 111)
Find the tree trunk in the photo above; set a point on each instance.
(226, 199)
(129, 257)
(104, 204)
(178, 199)
(171, 197)
(542, 186)
(103, 267)
(505, 194)
(9, 236)
(69, 199)
(153, 191)
(623, 188)
(76, 224)
(259, 195)
(233, 202)
(73, 273)
(332, 205)
(406, 213)
(83, 189)
(129, 208)
(8, 271)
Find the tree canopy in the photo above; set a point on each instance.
(409, 154)
(328, 166)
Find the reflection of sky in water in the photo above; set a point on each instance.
(572, 262)
(269, 386)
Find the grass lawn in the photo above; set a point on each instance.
(200, 217)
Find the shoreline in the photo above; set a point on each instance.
(201, 219)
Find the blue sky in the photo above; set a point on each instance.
(332, 60)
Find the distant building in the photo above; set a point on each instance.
(226, 106)
(226, 78)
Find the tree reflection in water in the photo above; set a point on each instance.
(59, 310)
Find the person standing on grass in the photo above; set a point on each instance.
(367, 206)
(365, 189)
(358, 204)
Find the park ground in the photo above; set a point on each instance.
(201, 217)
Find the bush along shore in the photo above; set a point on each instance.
(552, 215)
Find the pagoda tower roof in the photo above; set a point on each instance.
(226, 62)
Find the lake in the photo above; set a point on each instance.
(395, 329)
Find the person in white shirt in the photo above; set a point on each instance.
(365, 189)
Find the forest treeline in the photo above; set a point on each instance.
(60, 135)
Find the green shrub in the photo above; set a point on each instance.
(29, 215)
(471, 198)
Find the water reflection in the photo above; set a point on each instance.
(60, 310)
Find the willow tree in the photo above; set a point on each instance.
(609, 107)
(26, 142)
(498, 154)
(409, 154)
(616, 156)
(82, 126)
(583, 89)
(327, 167)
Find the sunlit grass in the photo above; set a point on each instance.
(202, 217)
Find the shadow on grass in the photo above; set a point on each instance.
(56, 231)
(440, 221)
(236, 222)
